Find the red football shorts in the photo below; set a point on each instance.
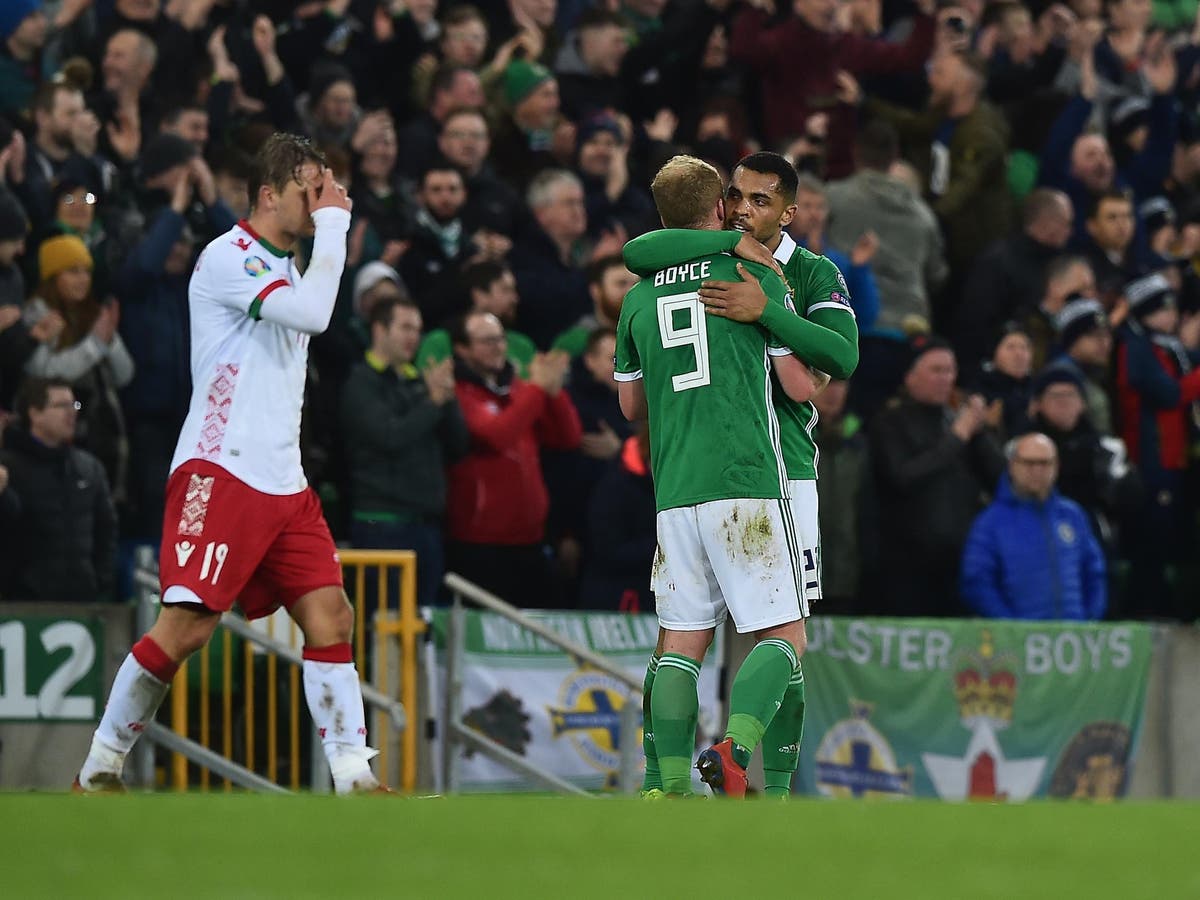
(228, 543)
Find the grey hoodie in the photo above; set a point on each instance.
(911, 261)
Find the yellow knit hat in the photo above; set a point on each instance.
(57, 254)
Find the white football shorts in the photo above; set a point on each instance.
(808, 532)
(737, 557)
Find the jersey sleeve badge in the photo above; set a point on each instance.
(256, 266)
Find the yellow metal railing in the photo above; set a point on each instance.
(370, 618)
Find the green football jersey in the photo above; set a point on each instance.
(714, 434)
(820, 295)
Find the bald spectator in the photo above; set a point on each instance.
(1032, 554)
(127, 108)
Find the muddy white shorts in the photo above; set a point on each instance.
(741, 557)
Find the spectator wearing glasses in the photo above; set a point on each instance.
(63, 548)
(498, 503)
(1032, 553)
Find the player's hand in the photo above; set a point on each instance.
(741, 301)
(820, 380)
(601, 444)
(749, 248)
(328, 194)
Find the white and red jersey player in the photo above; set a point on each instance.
(240, 521)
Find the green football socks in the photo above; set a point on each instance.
(757, 694)
(674, 708)
(781, 740)
(652, 780)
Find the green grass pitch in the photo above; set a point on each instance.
(251, 846)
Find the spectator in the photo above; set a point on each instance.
(1004, 381)
(588, 66)
(88, 353)
(10, 521)
(846, 503)
(17, 341)
(189, 122)
(330, 111)
(497, 505)
(608, 283)
(1085, 339)
(153, 285)
(127, 107)
(572, 476)
(909, 267)
(65, 543)
(1110, 250)
(1031, 554)
(57, 106)
(621, 533)
(613, 203)
(23, 28)
(934, 464)
(548, 258)
(401, 428)
(491, 288)
(383, 212)
(1157, 388)
(454, 87)
(806, 48)
(808, 229)
(523, 144)
(491, 202)
(1006, 280)
(1067, 278)
(959, 145)
(439, 244)
(1093, 468)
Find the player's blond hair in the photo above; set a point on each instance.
(686, 190)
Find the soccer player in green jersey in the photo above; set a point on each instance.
(761, 200)
(726, 541)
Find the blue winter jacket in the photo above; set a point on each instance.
(1031, 560)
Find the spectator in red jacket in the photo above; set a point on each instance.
(799, 61)
(496, 511)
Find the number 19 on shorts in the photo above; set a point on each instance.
(694, 335)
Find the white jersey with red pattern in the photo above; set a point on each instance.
(251, 318)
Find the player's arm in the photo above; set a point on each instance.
(658, 250)
(247, 283)
(797, 380)
(627, 367)
(829, 343)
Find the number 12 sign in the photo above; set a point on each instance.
(50, 669)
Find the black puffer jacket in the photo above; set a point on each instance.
(64, 546)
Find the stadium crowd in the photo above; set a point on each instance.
(1012, 192)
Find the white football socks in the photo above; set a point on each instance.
(336, 705)
(133, 701)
